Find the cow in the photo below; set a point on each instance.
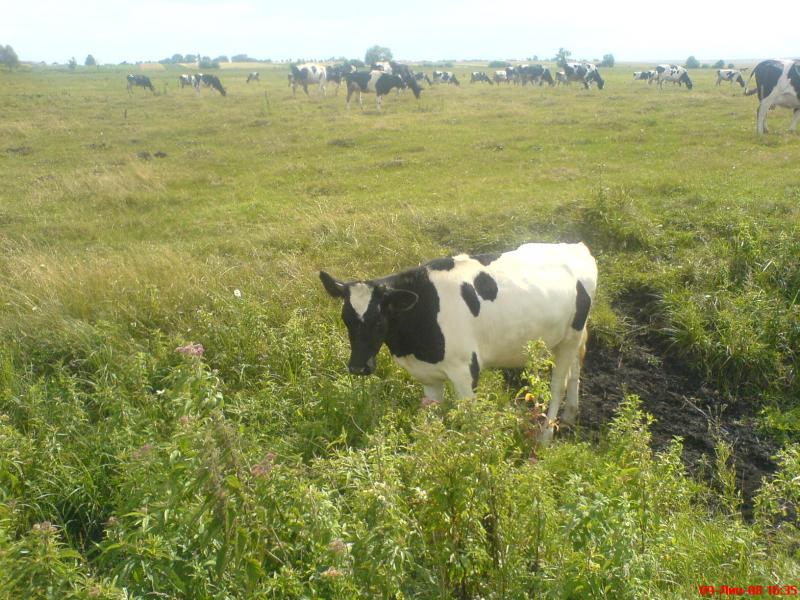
(378, 83)
(562, 79)
(452, 317)
(672, 73)
(777, 84)
(142, 81)
(254, 76)
(185, 80)
(585, 73)
(730, 75)
(500, 77)
(212, 81)
(307, 73)
(382, 65)
(420, 77)
(647, 76)
(480, 76)
(445, 77)
(535, 74)
(335, 74)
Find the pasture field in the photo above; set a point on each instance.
(132, 225)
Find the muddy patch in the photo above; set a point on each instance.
(682, 404)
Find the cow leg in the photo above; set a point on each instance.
(564, 355)
(573, 382)
(434, 391)
(378, 101)
(361, 99)
(795, 120)
(761, 116)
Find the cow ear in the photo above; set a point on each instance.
(333, 286)
(399, 300)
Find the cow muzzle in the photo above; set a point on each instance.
(366, 369)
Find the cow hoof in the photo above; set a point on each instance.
(428, 402)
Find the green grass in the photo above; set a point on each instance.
(236, 475)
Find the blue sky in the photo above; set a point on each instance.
(113, 31)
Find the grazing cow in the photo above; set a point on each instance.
(212, 81)
(254, 76)
(672, 73)
(335, 74)
(585, 73)
(378, 83)
(308, 73)
(562, 79)
(535, 74)
(452, 317)
(730, 75)
(777, 84)
(647, 76)
(185, 80)
(500, 77)
(480, 76)
(142, 81)
(445, 77)
(420, 76)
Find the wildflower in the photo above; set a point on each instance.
(265, 467)
(185, 420)
(337, 546)
(142, 452)
(332, 572)
(191, 350)
(428, 402)
(237, 292)
(44, 526)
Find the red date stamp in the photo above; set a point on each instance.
(749, 590)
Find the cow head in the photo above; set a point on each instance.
(548, 77)
(412, 83)
(367, 311)
(684, 78)
(596, 77)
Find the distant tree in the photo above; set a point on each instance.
(177, 58)
(8, 57)
(353, 62)
(731, 66)
(240, 58)
(190, 58)
(221, 59)
(692, 63)
(562, 56)
(720, 64)
(704, 66)
(608, 61)
(90, 61)
(498, 64)
(207, 63)
(376, 54)
(72, 63)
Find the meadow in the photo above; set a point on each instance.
(133, 225)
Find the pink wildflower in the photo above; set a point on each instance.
(337, 546)
(265, 467)
(191, 349)
(332, 572)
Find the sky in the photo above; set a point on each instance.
(142, 30)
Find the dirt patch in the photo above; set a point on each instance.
(682, 404)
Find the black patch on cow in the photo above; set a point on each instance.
(486, 286)
(582, 304)
(359, 78)
(475, 371)
(441, 264)
(386, 83)
(660, 69)
(471, 298)
(416, 331)
(485, 259)
(767, 74)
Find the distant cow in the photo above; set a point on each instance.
(382, 65)
(452, 317)
(500, 77)
(185, 80)
(420, 76)
(777, 84)
(647, 76)
(445, 77)
(308, 73)
(142, 81)
(212, 81)
(480, 76)
(378, 83)
(585, 73)
(730, 75)
(534, 74)
(562, 79)
(254, 76)
(672, 73)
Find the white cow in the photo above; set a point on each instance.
(308, 73)
(452, 317)
(777, 84)
(672, 73)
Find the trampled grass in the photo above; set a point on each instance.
(262, 469)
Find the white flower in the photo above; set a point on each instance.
(237, 292)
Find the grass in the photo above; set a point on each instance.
(126, 468)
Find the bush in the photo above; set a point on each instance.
(208, 64)
(692, 63)
(499, 64)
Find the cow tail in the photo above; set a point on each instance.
(748, 92)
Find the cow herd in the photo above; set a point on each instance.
(777, 81)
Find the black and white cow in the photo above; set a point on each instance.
(535, 74)
(378, 83)
(254, 76)
(212, 81)
(730, 75)
(382, 65)
(335, 74)
(185, 80)
(419, 77)
(142, 81)
(452, 317)
(777, 84)
(562, 79)
(445, 77)
(308, 73)
(647, 76)
(585, 73)
(500, 77)
(480, 76)
(672, 73)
